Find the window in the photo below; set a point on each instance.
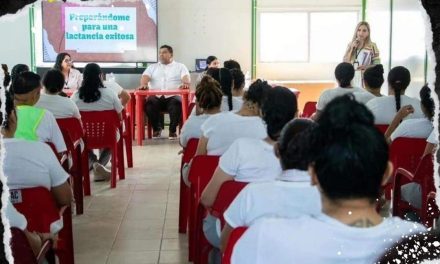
(316, 37)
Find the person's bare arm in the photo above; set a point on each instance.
(429, 149)
(145, 79)
(210, 193)
(400, 115)
(224, 238)
(202, 146)
(124, 96)
(62, 194)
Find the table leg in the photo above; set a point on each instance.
(184, 108)
(140, 118)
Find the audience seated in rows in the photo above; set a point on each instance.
(34, 123)
(373, 80)
(221, 130)
(59, 106)
(385, 108)
(93, 96)
(290, 195)
(349, 229)
(29, 164)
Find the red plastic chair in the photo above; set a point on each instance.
(233, 238)
(188, 154)
(43, 215)
(424, 176)
(226, 195)
(404, 153)
(382, 128)
(128, 138)
(200, 174)
(22, 251)
(73, 135)
(101, 128)
(309, 109)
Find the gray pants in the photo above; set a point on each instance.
(211, 229)
(412, 193)
(104, 157)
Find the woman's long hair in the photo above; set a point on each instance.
(89, 90)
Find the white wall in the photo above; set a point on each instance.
(15, 42)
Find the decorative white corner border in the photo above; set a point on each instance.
(431, 82)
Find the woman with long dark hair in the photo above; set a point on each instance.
(93, 96)
(72, 77)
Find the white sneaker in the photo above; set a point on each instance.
(101, 173)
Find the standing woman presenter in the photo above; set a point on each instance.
(361, 52)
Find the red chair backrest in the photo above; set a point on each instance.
(72, 127)
(382, 128)
(190, 150)
(38, 206)
(233, 238)
(309, 109)
(100, 128)
(201, 171)
(406, 153)
(226, 195)
(20, 247)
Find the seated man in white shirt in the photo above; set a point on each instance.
(291, 195)
(373, 80)
(34, 123)
(165, 75)
(348, 174)
(59, 106)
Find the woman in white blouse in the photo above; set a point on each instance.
(72, 77)
(415, 127)
(219, 131)
(385, 108)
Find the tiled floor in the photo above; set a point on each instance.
(137, 221)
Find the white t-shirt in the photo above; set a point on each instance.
(114, 86)
(331, 94)
(413, 128)
(192, 128)
(384, 108)
(363, 97)
(108, 101)
(318, 239)
(290, 196)
(49, 131)
(237, 102)
(433, 137)
(30, 164)
(59, 106)
(250, 160)
(166, 76)
(224, 128)
(16, 219)
(74, 80)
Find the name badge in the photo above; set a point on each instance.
(15, 196)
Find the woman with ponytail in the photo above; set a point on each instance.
(414, 127)
(385, 108)
(348, 174)
(344, 74)
(6, 76)
(224, 77)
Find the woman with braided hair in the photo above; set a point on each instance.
(385, 108)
